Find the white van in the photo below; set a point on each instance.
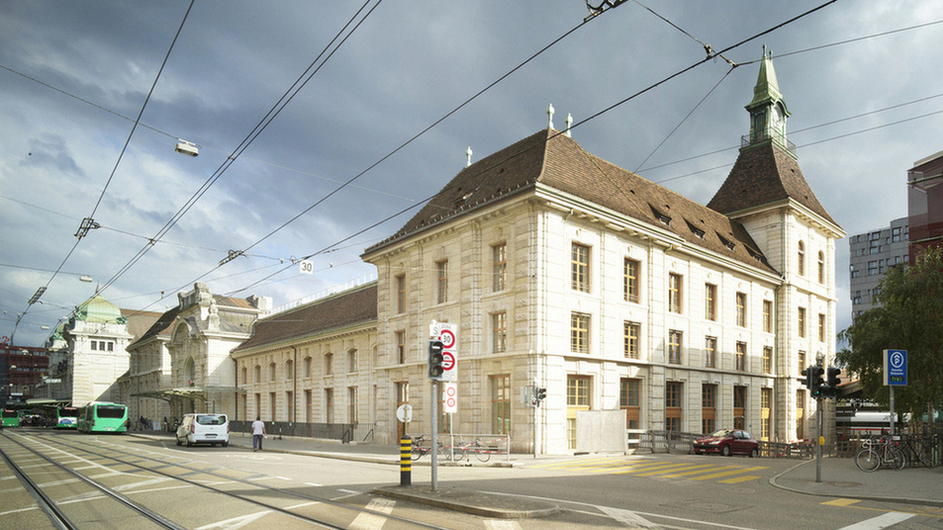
(203, 429)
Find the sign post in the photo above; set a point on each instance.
(895, 374)
(445, 334)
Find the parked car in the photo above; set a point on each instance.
(203, 429)
(728, 442)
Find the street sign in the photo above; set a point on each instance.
(450, 398)
(895, 367)
(447, 334)
(305, 267)
(404, 413)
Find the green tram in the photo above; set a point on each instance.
(103, 417)
(11, 418)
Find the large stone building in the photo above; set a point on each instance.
(564, 271)
(87, 353)
(181, 363)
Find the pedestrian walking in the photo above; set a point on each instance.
(258, 432)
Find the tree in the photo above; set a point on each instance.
(909, 317)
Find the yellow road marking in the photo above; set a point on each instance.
(728, 473)
(842, 502)
(738, 479)
(710, 467)
(648, 467)
(677, 467)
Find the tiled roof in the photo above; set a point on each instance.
(765, 174)
(556, 160)
(348, 308)
(230, 321)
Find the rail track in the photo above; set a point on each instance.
(78, 482)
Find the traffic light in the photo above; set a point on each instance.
(807, 377)
(540, 394)
(818, 382)
(833, 381)
(435, 360)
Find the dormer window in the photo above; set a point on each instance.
(660, 216)
(727, 243)
(697, 231)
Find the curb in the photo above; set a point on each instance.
(774, 481)
(475, 503)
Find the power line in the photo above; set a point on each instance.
(88, 222)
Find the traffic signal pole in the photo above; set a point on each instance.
(435, 435)
(818, 442)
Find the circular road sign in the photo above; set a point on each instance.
(447, 337)
(448, 360)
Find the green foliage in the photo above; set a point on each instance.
(909, 317)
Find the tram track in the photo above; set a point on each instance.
(250, 487)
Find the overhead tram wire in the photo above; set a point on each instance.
(244, 144)
(424, 131)
(396, 150)
(596, 115)
(85, 226)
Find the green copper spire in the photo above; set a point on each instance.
(767, 87)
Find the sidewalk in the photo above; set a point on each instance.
(840, 477)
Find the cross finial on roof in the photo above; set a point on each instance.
(468, 154)
(569, 121)
(550, 115)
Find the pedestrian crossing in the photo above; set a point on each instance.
(721, 472)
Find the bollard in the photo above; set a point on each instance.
(405, 460)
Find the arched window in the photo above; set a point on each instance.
(821, 267)
(289, 369)
(801, 258)
(257, 374)
(328, 363)
(245, 374)
(271, 372)
(307, 366)
(189, 371)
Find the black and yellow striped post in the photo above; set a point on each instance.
(405, 460)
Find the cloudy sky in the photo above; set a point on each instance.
(274, 175)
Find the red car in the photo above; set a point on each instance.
(728, 442)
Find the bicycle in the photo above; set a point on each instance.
(418, 451)
(483, 453)
(870, 459)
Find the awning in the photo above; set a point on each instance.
(190, 392)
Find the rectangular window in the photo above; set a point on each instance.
(579, 267)
(579, 333)
(766, 418)
(577, 398)
(741, 356)
(400, 293)
(674, 347)
(499, 332)
(629, 401)
(309, 407)
(739, 407)
(674, 293)
(631, 340)
(710, 352)
(352, 405)
(630, 285)
(272, 405)
(499, 266)
(742, 310)
(708, 408)
(442, 280)
(401, 347)
(800, 414)
(673, 399)
(501, 404)
(710, 301)
(802, 322)
(802, 365)
(767, 359)
(577, 391)
(351, 361)
(328, 364)
(768, 316)
(328, 405)
(821, 327)
(307, 366)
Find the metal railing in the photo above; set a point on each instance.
(458, 446)
(344, 432)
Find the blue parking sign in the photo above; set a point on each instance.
(895, 367)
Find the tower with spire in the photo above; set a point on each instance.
(767, 193)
